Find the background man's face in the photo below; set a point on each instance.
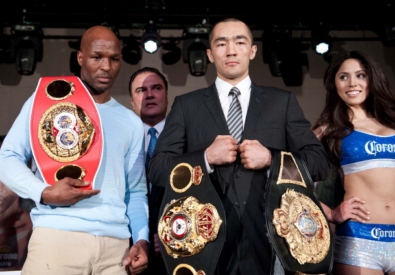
(149, 97)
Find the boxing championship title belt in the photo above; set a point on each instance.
(297, 227)
(192, 226)
(65, 130)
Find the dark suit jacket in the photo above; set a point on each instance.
(275, 119)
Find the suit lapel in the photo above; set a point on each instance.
(215, 109)
(255, 109)
(225, 172)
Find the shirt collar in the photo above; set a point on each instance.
(159, 127)
(224, 87)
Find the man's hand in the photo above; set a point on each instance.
(222, 151)
(66, 192)
(254, 155)
(157, 244)
(137, 258)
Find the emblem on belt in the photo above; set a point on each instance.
(187, 225)
(300, 221)
(65, 132)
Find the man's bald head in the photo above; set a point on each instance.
(98, 33)
(100, 58)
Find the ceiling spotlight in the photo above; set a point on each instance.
(197, 58)
(171, 54)
(387, 34)
(5, 50)
(284, 56)
(131, 52)
(195, 49)
(150, 40)
(26, 47)
(321, 41)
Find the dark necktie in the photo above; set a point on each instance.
(235, 118)
(151, 145)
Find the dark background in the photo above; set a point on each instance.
(176, 14)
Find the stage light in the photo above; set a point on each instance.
(321, 41)
(150, 40)
(171, 54)
(387, 35)
(26, 48)
(5, 50)
(284, 56)
(131, 52)
(197, 58)
(195, 49)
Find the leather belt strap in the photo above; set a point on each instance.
(65, 130)
(297, 227)
(192, 224)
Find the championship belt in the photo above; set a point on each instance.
(297, 227)
(65, 130)
(192, 227)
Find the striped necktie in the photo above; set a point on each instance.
(235, 118)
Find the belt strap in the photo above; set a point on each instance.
(297, 227)
(65, 130)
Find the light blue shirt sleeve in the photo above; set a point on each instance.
(15, 152)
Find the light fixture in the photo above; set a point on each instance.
(5, 50)
(195, 49)
(171, 53)
(284, 55)
(150, 40)
(131, 52)
(26, 47)
(321, 41)
(387, 34)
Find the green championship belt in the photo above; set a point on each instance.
(297, 227)
(191, 227)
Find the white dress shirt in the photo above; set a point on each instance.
(225, 99)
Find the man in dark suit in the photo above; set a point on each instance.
(197, 132)
(148, 92)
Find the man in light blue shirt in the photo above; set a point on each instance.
(80, 231)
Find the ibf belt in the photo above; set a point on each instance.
(191, 226)
(65, 130)
(298, 229)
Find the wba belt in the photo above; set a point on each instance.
(297, 227)
(192, 225)
(65, 130)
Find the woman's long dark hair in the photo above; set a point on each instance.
(380, 103)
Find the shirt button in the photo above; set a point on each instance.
(237, 175)
(236, 205)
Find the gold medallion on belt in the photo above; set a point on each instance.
(301, 222)
(65, 132)
(187, 225)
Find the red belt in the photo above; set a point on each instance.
(65, 130)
